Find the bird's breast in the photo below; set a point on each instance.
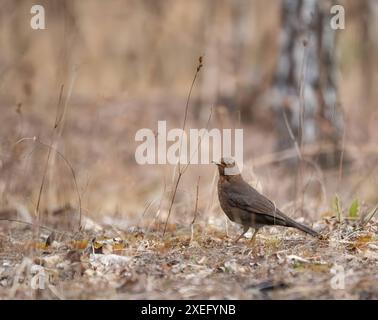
(223, 201)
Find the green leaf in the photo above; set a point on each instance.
(354, 209)
(336, 207)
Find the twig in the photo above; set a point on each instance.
(41, 187)
(199, 141)
(172, 201)
(180, 173)
(60, 122)
(48, 157)
(187, 106)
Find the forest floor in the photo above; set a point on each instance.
(102, 262)
(109, 260)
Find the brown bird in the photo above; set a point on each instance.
(246, 206)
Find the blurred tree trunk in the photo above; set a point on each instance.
(305, 96)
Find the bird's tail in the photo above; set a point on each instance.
(302, 227)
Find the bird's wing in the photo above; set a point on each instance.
(251, 201)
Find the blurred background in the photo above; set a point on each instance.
(104, 69)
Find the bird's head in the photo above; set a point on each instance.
(227, 167)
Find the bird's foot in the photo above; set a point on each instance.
(237, 239)
(244, 232)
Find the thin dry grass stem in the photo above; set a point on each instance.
(180, 173)
(34, 139)
(199, 66)
(172, 201)
(199, 141)
(212, 192)
(58, 118)
(320, 178)
(370, 216)
(196, 205)
(292, 136)
(59, 127)
(145, 210)
(54, 141)
(195, 210)
(195, 213)
(57, 132)
(37, 212)
(298, 149)
(175, 169)
(301, 94)
(45, 168)
(56, 293)
(159, 207)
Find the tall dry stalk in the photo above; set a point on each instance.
(51, 157)
(45, 168)
(59, 127)
(181, 172)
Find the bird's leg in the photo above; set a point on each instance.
(245, 229)
(253, 239)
